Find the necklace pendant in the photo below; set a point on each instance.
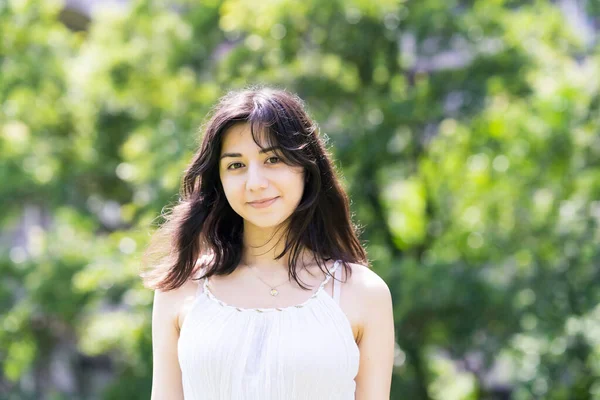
(274, 292)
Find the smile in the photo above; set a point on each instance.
(264, 203)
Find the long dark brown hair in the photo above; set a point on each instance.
(203, 223)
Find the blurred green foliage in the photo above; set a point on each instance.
(467, 133)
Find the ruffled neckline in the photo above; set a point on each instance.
(212, 297)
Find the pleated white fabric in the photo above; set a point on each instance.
(302, 352)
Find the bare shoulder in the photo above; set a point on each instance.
(185, 295)
(366, 292)
(172, 305)
(366, 284)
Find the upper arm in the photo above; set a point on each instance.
(376, 345)
(166, 374)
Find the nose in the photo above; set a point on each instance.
(256, 179)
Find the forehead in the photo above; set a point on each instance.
(239, 137)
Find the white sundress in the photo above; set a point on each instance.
(301, 352)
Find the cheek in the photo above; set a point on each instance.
(295, 183)
(229, 188)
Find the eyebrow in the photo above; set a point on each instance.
(233, 155)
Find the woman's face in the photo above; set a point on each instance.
(249, 174)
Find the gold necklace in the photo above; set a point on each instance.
(274, 292)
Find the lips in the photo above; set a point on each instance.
(263, 203)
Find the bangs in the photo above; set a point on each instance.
(272, 126)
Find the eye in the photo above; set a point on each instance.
(232, 164)
(275, 158)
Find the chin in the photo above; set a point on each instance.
(266, 221)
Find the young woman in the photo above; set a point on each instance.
(263, 290)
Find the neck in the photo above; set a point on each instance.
(262, 245)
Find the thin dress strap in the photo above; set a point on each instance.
(200, 289)
(200, 283)
(337, 284)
